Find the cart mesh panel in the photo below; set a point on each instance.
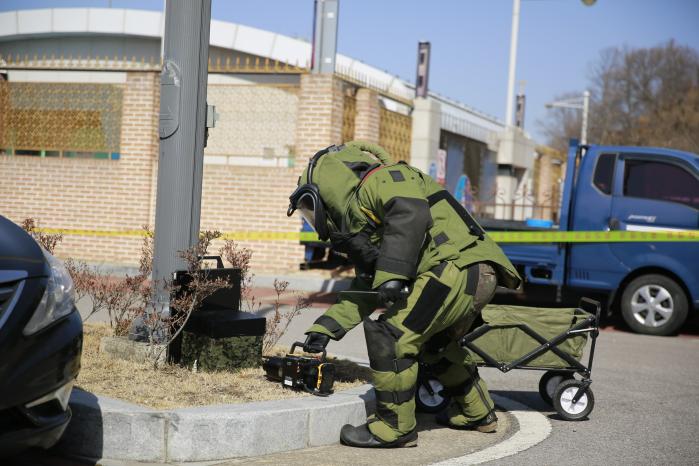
(506, 343)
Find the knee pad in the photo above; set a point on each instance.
(381, 340)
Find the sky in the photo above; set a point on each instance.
(558, 39)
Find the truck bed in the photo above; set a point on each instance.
(490, 224)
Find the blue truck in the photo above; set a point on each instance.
(616, 188)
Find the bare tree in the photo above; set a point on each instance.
(281, 316)
(239, 257)
(646, 96)
(121, 298)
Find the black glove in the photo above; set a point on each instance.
(315, 342)
(392, 291)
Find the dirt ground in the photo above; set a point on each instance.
(175, 387)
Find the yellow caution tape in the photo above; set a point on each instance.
(593, 236)
(498, 236)
(81, 232)
(236, 235)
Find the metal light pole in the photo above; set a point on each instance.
(182, 136)
(509, 113)
(585, 115)
(579, 103)
(513, 64)
(324, 36)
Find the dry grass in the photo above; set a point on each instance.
(176, 387)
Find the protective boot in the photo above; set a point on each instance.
(362, 437)
(487, 424)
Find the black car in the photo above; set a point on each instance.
(40, 343)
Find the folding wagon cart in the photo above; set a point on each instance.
(517, 337)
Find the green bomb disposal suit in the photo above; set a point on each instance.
(395, 222)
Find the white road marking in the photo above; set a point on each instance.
(534, 427)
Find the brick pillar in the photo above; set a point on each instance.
(546, 183)
(426, 131)
(319, 120)
(4, 108)
(139, 138)
(544, 177)
(368, 119)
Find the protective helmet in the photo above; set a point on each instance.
(332, 175)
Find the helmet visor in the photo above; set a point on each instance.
(307, 208)
(306, 200)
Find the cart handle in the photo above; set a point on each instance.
(598, 311)
(593, 307)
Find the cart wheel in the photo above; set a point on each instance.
(563, 401)
(430, 403)
(549, 382)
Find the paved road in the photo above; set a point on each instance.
(646, 391)
(647, 405)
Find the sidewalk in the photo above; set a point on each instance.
(435, 444)
(519, 429)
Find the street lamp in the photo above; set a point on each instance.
(580, 103)
(509, 112)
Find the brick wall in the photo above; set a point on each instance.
(237, 198)
(89, 193)
(120, 195)
(254, 120)
(243, 199)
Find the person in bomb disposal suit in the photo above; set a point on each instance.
(434, 269)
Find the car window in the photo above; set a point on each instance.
(662, 181)
(604, 173)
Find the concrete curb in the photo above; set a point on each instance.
(108, 428)
(298, 282)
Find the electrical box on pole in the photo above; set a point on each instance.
(183, 118)
(519, 110)
(423, 69)
(324, 36)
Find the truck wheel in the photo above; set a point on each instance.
(654, 305)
